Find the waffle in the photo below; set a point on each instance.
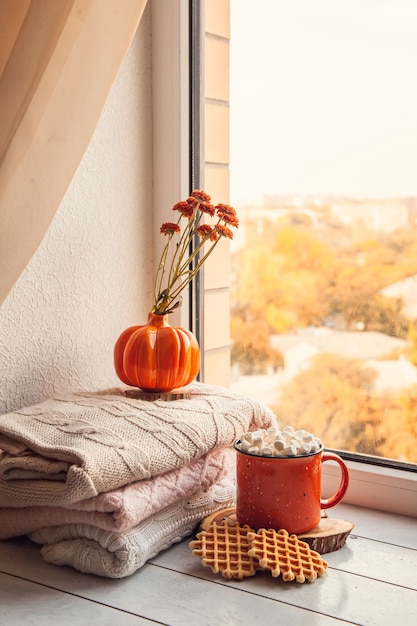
(285, 555)
(224, 548)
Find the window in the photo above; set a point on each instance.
(324, 268)
(372, 486)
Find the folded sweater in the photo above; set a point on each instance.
(92, 550)
(74, 447)
(122, 509)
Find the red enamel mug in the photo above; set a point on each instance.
(284, 492)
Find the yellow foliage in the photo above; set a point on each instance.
(334, 400)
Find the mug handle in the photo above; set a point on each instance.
(344, 483)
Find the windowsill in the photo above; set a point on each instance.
(375, 487)
(357, 588)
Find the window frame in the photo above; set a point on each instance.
(376, 487)
(373, 486)
(176, 128)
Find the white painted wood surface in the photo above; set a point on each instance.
(372, 580)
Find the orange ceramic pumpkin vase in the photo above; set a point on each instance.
(157, 356)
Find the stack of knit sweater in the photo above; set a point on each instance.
(104, 482)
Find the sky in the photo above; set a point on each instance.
(323, 98)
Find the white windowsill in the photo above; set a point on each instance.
(375, 487)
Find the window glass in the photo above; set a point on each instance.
(323, 102)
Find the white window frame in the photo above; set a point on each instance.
(371, 486)
(170, 123)
(376, 487)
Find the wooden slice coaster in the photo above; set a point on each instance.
(218, 517)
(168, 396)
(330, 535)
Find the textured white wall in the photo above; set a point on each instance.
(92, 276)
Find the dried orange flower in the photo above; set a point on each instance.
(184, 208)
(169, 228)
(204, 230)
(185, 265)
(223, 231)
(228, 214)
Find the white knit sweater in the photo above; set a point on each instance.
(70, 448)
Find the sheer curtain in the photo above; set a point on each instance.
(58, 61)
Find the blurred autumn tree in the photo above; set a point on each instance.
(359, 274)
(283, 282)
(299, 272)
(408, 402)
(251, 349)
(354, 296)
(334, 399)
(393, 256)
(412, 338)
(292, 279)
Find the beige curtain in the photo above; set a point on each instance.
(58, 61)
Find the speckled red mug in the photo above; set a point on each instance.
(284, 492)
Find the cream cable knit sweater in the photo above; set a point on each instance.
(122, 509)
(71, 448)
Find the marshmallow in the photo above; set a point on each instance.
(245, 445)
(276, 442)
(279, 445)
(290, 450)
(305, 448)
